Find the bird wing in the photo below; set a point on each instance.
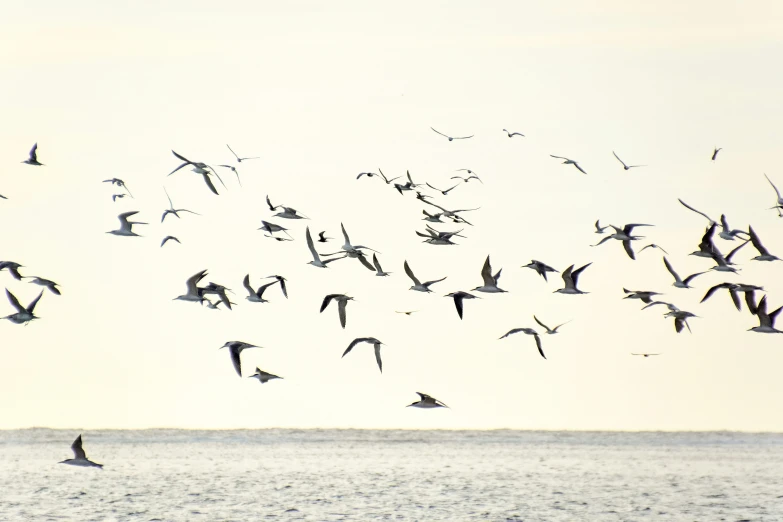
(283, 288)
(235, 359)
(232, 151)
(378, 356)
(627, 229)
(735, 298)
(271, 207)
(728, 257)
(629, 249)
(354, 343)
(193, 281)
(580, 168)
(15, 302)
(538, 344)
(34, 302)
(462, 137)
(345, 235)
(433, 188)
(326, 301)
(559, 157)
(568, 279)
(363, 260)
(33, 154)
(124, 224)
(698, 212)
(511, 332)
(410, 274)
(261, 288)
(756, 242)
(575, 273)
(618, 159)
(428, 283)
(777, 192)
(78, 452)
(486, 273)
(440, 133)
(310, 244)
(376, 263)
(210, 184)
(542, 324)
(604, 240)
(341, 310)
(246, 284)
(712, 291)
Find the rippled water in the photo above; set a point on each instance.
(285, 475)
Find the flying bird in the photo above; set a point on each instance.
(79, 456)
(459, 297)
(726, 231)
(256, 296)
(779, 201)
(114, 197)
(540, 268)
(193, 290)
(512, 134)
(287, 213)
(490, 281)
(766, 320)
(271, 228)
(126, 227)
(280, 279)
(234, 170)
(169, 238)
(570, 162)
(570, 278)
(316, 258)
(371, 340)
(715, 152)
(427, 402)
(378, 270)
(46, 283)
(172, 210)
(239, 160)
(528, 331)
(262, 376)
(32, 158)
(598, 228)
(322, 238)
(235, 348)
(444, 192)
(624, 235)
(451, 138)
(22, 315)
(646, 354)
(199, 168)
(652, 245)
(626, 167)
(550, 331)
(644, 295)
(119, 183)
(342, 302)
(471, 175)
(13, 269)
(684, 204)
(680, 283)
(418, 285)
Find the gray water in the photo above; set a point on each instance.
(324, 475)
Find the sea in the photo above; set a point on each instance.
(366, 475)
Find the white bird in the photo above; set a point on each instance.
(256, 296)
(512, 134)
(119, 183)
(418, 285)
(540, 268)
(652, 245)
(764, 254)
(490, 281)
(680, 283)
(454, 214)
(726, 231)
(624, 235)
(779, 201)
(427, 402)
(644, 295)
(348, 247)
(570, 162)
(194, 291)
(528, 331)
(451, 138)
(271, 228)
(471, 175)
(126, 227)
(47, 283)
(378, 270)
(766, 320)
(239, 160)
(262, 376)
(549, 331)
(172, 210)
(371, 340)
(444, 192)
(316, 258)
(287, 213)
(32, 158)
(234, 170)
(169, 238)
(680, 319)
(280, 279)
(570, 278)
(459, 297)
(199, 168)
(342, 302)
(626, 167)
(22, 315)
(598, 228)
(79, 456)
(219, 290)
(235, 348)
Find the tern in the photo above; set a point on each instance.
(378, 270)
(435, 237)
(240, 160)
(348, 247)
(598, 228)
(234, 349)
(766, 320)
(680, 319)
(256, 296)
(46, 283)
(734, 289)
(626, 167)
(32, 158)
(322, 238)
(432, 218)
(670, 306)
(680, 283)
(707, 248)
(418, 285)
(684, 204)
(234, 170)
(262, 376)
(715, 152)
(169, 238)
(570, 278)
(271, 228)
(453, 214)
(342, 302)
(219, 290)
(194, 291)
(652, 245)
(13, 269)
(427, 402)
(114, 197)
(452, 138)
(316, 258)
(280, 279)
(726, 232)
(444, 192)
(119, 183)
(570, 162)
(549, 331)
(764, 254)
(215, 305)
(287, 213)
(490, 281)
(371, 340)
(540, 268)
(645, 296)
(410, 185)
(126, 227)
(646, 354)
(199, 168)
(172, 210)
(408, 312)
(80, 457)
(624, 235)
(779, 201)
(459, 297)
(724, 262)
(471, 175)
(512, 134)
(22, 315)
(528, 331)
(389, 181)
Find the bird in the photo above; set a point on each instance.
(715, 152)
(680, 319)
(652, 245)
(643, 295)
(46, 283)
(271, 228)
(348, 247)
(444, 192)
(389, 181)
(626, 167)
(287, 213)
(280, 279)
(550, 331)
(435, 237)
(418, 285)
(764, 254)
(490, 281)
(256, 296)
(766, 320)
(528, 331)
(199, 168)
(32, 158)
(779, 201)
(239, 160)
(114, 197)
(342, 302)
(126, 227)
(3, 197)
(451, 138)
(322, 238)
(371, 340)
(540, 268)
(368, 174)
(684, 204)
(169, 238)
(80, 457)
(459, 297)
(234, 170)
(680, 283)
(119, 183)
(570, 162)
(408, 312)
(378, 270)
(13, 269)
(194, 291)
(316, 258)
(723, 263)
(570, 278)
(707, 248)
(734, 289)
(726, 232)
(646, 354)
(262, 376)
(427, 402)
(23, 315)
(410, 185)
(219, 290)
(471, 175)
(235, 348)
(598, 228)
(454, 214)
(624, 235)
(512, 134)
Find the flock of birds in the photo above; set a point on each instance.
(434, 213)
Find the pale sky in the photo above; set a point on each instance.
(322, 92)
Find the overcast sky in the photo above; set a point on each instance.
(322, 92)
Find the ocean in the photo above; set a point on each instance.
(365, 475)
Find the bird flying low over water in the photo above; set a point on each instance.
(80, 457)
(451, 138)
(235, 348)
(126, 227)
(371, 340)
(459, 297)
(32, 157)
(570, 278)
(262, 376)
(427, 402)
(22, 315)
(342, 302)
(570, 162)
(528, 331)
(540, 268)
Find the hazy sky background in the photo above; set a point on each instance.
(322, 92)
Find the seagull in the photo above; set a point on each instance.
(114, 197)
(570, 278)
(540, 268)
(427, 402)
(288, 212)
(684, 204)
(239, 160)
(194, 291)
(726, 232)
(256, 296)
(235, 348)
(779, 202)
(169, 238)
(13, 269)
(550, 331)
(512, 134)
(322, 238)
(645, 296)
(262, 376)
(626, 167)
(528, 331)
(33, 157)
(22, 315)
(598, 228)
(316, 258)
(119, 183)
(371, 340)
(454, 137)
(715, 152)
(459, 297)
(342, 302)
(418, 285)
(646, 354)
(444, 192)
(271, 228)
(764, 254)
(172, 210)
(624, 235)
(680, 283)
(199, 168)
(766, 320)
(490, 281)
(570, 162)
(378, 270)
(51, 285)
(652, 245)
(80, 457)
(680, 319)
(281, 280)
(126, 226)
(471, 175)
(234, 170)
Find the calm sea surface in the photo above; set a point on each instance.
(173, 475)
